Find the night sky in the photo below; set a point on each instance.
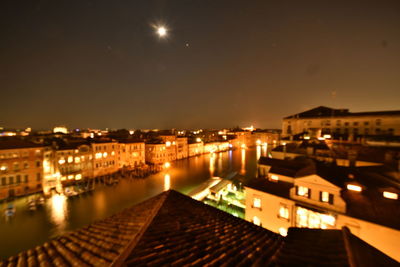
(100, 64)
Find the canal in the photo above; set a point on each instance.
(59, 214)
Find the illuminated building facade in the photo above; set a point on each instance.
(182, 150)
(302, 194)
(342, 124)
(21, 167)
(195, 148)
(157, 153)
(74, 162)
(105, 157)
(131, 153)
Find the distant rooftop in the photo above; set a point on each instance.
(322, 112)
(15, 143)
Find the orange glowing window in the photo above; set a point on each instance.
(390, 195)
(354, 187)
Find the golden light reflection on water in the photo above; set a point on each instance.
(258, 152)
(167, 182)
(265, 150)
(212, 164)
(59, 210)
(243, 162)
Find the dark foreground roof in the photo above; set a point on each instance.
(15, 143)
(173, 229)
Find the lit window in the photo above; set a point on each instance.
(303, 191)
(70, 159)
(98, 155)
(390, 195)
(78, 176)
(61, 161)
(274, 177)
(283, 231)
(3, 168)
(168, 143)
(256, 203)
(324, 197)
(77, 159)
(70, 177)
(284, 211)
(112, 153)
(256, 221)
(354, 187)
(105, 154)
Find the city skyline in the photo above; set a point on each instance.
(102, 65)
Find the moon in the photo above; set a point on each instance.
(161, 31)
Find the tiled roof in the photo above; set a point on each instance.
(175, 230)
(292, 168)
(278, 188)
(170, 228)
(15, 143)
(317, 247)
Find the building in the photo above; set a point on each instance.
(342, 124)
(182, 149)
(305, 193)
(74, 161)
(131, 153)
(21, 167)
(159, 152)
(105, 158)
(172, 229)
(195, 148)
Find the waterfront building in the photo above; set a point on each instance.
(304, 193)
(131, 153)
(182, 149)
(157, 153)
(265, 137)
(60, 129)
(105, 158)
(195, 148)
(21, 167)
(216, 146)
(74, 161)
(172, 229)
(342, 124)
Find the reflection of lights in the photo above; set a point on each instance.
(167, 165)
(265, 149)
(354, 187)
(167, 182)
(258, 142)
(58, 209)
(390, 195)
(243, 146)
(212, 164)
(243, 161)
(258, 152)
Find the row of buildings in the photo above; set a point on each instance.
(341, 124)
(35, 163)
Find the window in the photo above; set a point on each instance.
(346, 124)
(3, 181)
(366, 131)
(378, 122)
(38, 177)
(303, 191)
(16, 166)
(338, 122)
(256, 221)
(366, 123)
(26, 165)
(257, 203)
(11, 180)
(326, 197)
(26, 178)
(283, 211)
(18, 179)
(355, 123)
(38, 163)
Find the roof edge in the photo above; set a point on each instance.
(119, 261)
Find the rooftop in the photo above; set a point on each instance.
(174, 229)
(325, 112)
(15, 143)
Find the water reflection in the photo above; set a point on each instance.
(212, 164)
(258, 155)
(167, 182)
(243, 162)
(265, 149)
(59, 210)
